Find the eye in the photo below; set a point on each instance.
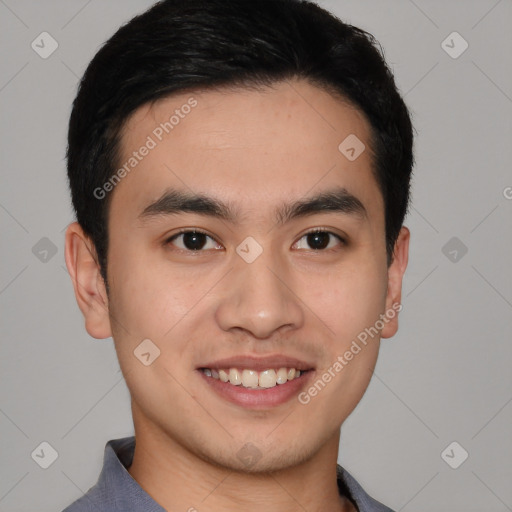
(192, 240)
(320, 239)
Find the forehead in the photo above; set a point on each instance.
(249, 148)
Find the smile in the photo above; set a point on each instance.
(253, 379)
(256, 382)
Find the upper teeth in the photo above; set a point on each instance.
(252, 378)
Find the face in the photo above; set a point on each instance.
(250, 251)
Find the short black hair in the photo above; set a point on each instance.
(178, 46)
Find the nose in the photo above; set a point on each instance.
(259, 299)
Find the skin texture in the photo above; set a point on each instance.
(253, 150)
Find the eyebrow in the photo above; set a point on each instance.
(173, 202)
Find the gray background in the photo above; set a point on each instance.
(444, 377)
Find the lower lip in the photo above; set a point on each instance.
(258, 398)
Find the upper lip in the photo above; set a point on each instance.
(258, 363)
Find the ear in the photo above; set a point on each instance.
(395, 275)
(90, 291)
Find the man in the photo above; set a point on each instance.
(240, 173)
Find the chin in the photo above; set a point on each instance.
(254, 459)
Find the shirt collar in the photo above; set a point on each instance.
(116, 490)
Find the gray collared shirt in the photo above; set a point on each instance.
(117, 491)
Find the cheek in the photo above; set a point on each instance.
(350, 304)
(348, 300)
(145, 295)
(143, 305)
(151, 299)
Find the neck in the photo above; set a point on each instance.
(178, 479)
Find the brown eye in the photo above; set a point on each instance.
(192, 240)
(320, 240)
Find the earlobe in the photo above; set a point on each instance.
(395, 277)
(88, 283)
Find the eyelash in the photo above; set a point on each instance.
(169, 240)
(184, 231)
(340, 239)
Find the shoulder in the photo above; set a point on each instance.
(364, 502)
(91, 501)
(116, 490)
(102, 496)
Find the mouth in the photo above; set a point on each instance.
(257, 383)
(253, 379)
